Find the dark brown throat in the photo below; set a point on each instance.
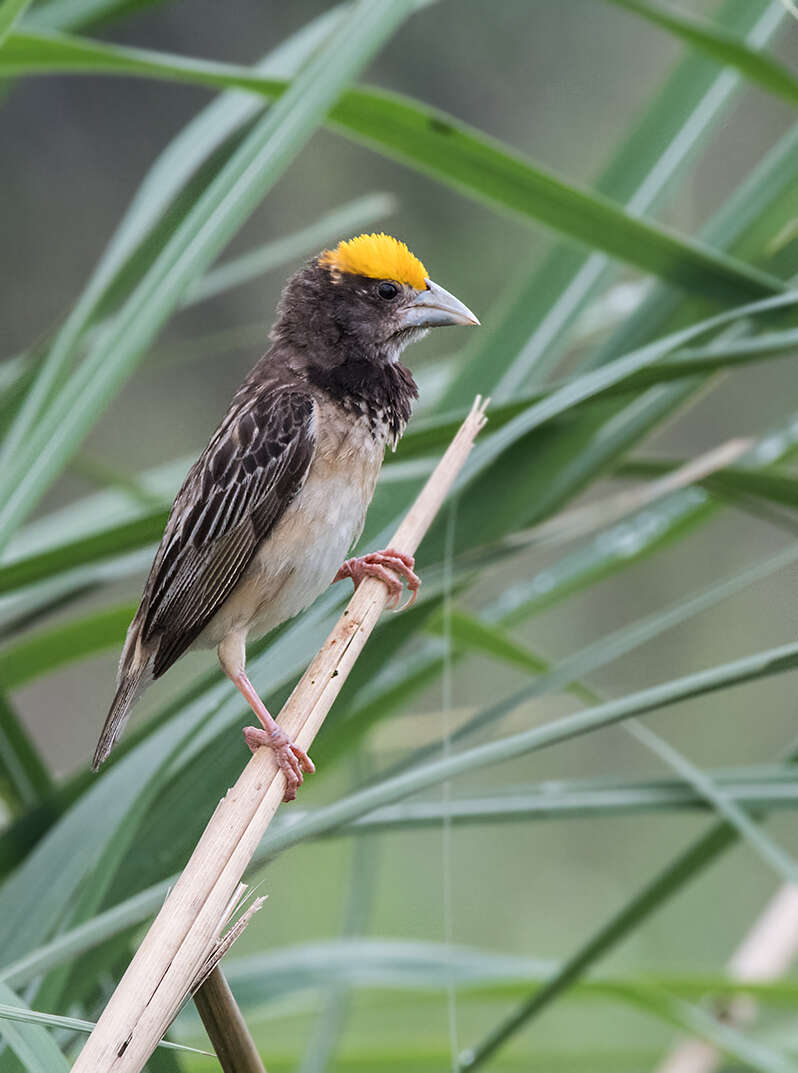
(382, 391)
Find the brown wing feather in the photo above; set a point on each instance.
(234, 494)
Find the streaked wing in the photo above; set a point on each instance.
(232, 497)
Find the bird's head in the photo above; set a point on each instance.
(370, 297)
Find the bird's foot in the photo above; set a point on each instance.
(291, 759)
(389, 566)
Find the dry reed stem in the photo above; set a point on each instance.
(765, 954)
(226, 1028)
(223, 944)
(169, 959)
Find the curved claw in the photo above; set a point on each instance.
(292, 760)
(389, 566)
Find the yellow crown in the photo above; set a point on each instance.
(379, 257)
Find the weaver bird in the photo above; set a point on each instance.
(279, 496)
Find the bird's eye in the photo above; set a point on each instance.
(387, 290)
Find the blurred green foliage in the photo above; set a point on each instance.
(613, 186)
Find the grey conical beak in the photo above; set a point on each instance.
(435, 307)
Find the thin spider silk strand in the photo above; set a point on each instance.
(447, 691)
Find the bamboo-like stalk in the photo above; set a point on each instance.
(765, 954)
(162, 971)
(225, 1026)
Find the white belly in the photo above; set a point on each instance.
(300, 559)
(301, 556)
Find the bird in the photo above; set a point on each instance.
(266, 516)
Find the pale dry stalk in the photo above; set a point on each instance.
(161, 973)
(765, 954)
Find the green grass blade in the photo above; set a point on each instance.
(440, 146)
(593, 563)
(611, 551)
(567, 459)
(264, 154)
(666, 883)
(624, 640)
(765, 788)
(467, 160)
(393, 789)
(529, 331)
(769, 851)
(13, 1011)
(590, 384)
(734, 482)
(54, 647)
(66, 946)
(494, 643)
(546, 591)
(75, 14)
(582, 799)
(10, 12)
(22, 769)
(396, 965)
(31, 905)
(725, 47)
(748, 224)
(155, 212)
(353, 216)
(697, 1022)
(490, 639)
(430, 433)
(147, 527)
(522, 473)
(187, 158)
(113, 540)
(28, 1038)
(721, 356)
(749, 668)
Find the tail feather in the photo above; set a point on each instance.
(135, 674)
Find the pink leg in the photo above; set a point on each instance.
(385, 565)
(291, 759)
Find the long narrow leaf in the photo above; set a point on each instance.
(171, 173)
(760, 788)
(727, 809)
(723, 46)
(697, 1022)
(41, 653)
(496, 644)
(591, 383)
(355, 215)
(28, 1037)
(10, 12)
(441, 146)
(392, 789)
(12, 1011)
(412, 965)
(531, 329)
(261, 158)
(21, 764)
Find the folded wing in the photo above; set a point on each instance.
(233, 496)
